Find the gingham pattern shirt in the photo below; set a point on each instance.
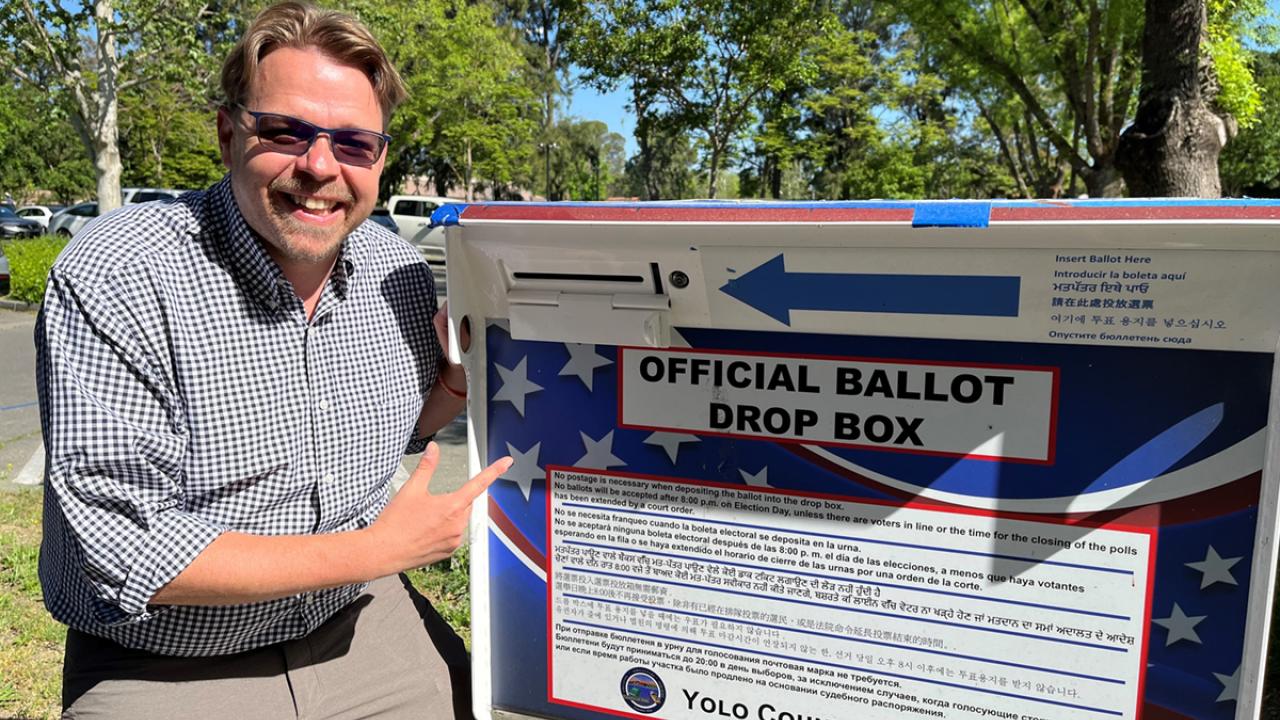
(183, 393)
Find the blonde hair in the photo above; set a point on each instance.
(299, 24)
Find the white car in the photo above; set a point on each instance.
(68, 222)
(39, 213)
(412, 214)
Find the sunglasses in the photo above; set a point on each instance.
(291, 136)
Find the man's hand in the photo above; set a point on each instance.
(418, 528)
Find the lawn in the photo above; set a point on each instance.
(31, 642)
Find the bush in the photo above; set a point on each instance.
(29, 264)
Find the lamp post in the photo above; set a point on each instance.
(546, 148)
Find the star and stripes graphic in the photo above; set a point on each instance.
(556, 404)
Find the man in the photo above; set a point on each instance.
(227, 382)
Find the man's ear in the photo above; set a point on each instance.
(226, 132)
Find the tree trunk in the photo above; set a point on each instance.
(1103, 180)
(1172, 147)
(104, 128)
(644, 165)
(467, 180)
(713, 171)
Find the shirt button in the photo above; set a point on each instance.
(328, 478)
(324, 403)
(308, 599)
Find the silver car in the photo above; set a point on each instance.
(68, 222)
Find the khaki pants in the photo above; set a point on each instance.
(387, 655)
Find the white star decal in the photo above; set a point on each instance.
(1214, 569)
(525, 468)
(515, 385)
(760, 479)
(1230, 686)
(599, 453)
(583, 362)
(670, 442)
(1180, 626)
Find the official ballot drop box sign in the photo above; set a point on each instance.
(871, 460)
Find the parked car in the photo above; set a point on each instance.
(141, 195)
(68, 222)
(412, 214)
(12, 226)
(382, 216)
(4, 273)
(39, 213)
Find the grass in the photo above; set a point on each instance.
(31, 642)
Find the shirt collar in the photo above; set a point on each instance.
(248, 259)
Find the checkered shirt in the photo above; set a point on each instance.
(183, 393)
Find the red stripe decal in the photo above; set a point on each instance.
(513, 534)
(604, 213)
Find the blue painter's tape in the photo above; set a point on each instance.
(952, 214)
(447, 215)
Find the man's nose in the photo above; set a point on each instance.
(318, 161)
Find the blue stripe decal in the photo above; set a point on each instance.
(952, 214)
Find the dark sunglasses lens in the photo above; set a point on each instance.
(357, 147)
(285, 134)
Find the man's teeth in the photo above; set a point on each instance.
(314, 204)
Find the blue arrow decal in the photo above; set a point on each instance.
(775, 292)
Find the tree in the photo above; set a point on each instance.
(168, 139)
(1250, 164)
(471, 113)
(543, 26)
(1183, 122)
(702, 64)
(668, 173)
(39, 147)
(86, 55)
(1071, 65)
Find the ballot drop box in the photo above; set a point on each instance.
(871, 461)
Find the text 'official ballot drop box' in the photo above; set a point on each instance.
(871, 460)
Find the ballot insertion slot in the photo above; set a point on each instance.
(602, 303)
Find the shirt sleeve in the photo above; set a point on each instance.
(432, 354)
(116, 438)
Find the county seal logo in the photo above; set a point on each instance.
(642, 689)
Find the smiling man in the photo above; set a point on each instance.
(227, 384)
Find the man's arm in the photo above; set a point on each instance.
(444, 403)
(415, 529)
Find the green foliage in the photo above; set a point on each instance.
(447, 584)
(670, 174)
(29, 264)
(586, 161)
(40, 149)
(471, 113)
(1230, 22)
(703, 65)
(168, 139)
(1250, 164)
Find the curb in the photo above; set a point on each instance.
(7, 304)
